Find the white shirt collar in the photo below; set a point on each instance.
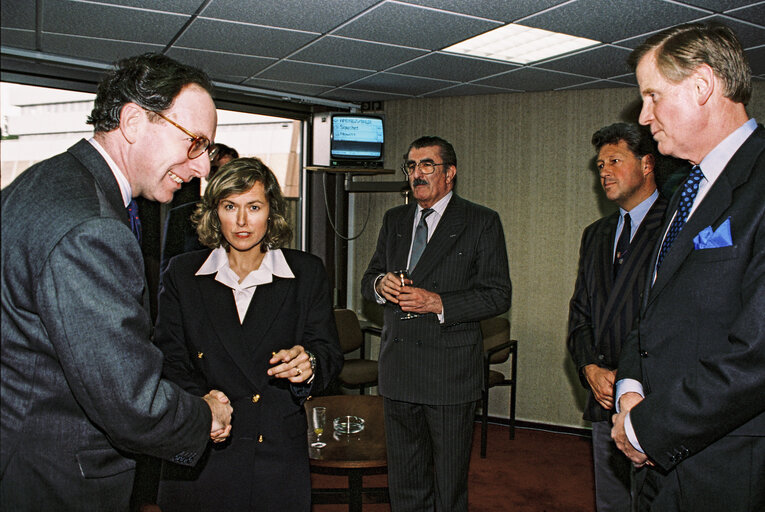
(713, 164)
(439, 207)
(274, 264)
(125, 188)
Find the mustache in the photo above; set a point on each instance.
(419, 181)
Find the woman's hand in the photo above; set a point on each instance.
(292, 364)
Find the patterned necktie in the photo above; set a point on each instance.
(623, 245)
(420, 238)
(135, 222)
(690, 189)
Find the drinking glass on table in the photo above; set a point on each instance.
(403, 275)
(318, 421)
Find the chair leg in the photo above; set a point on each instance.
(514, 377)
(484, 420)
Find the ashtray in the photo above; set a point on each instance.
(348, 424)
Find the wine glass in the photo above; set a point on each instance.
(318, 420)
(404, 276)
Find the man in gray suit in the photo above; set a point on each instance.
(81, 386)
(430, 365)
(613, 265)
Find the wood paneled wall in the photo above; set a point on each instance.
(527, 156)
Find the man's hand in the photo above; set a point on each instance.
(389, 287)
(292, 364)
(629, 400)
(601, 381)
(221, 415)
(619, 435)
(419, 300)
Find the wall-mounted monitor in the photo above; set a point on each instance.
(348, 140)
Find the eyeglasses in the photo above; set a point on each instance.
(426, 167)
(199, 143)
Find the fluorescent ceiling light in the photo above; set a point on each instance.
(519, 44)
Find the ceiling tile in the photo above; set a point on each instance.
(177, 6)
(756, 58)
(467, 90)
(754, 13)
(597, 84)
(341, 51)
(491, 9)
(108, 22)
(218, 64)
(294, 88)
(611, 21)
(600, 62)
(358, 96)
(718, 5)
(225, 36)
(319, 74)
(400, 84)
(533, 79)
(18, 15)
(99, 50)
(407, 25)
(322, 16)
(748, 34)
(452, 67)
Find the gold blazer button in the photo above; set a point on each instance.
(200, 355)
(260, 438)
(255, 398)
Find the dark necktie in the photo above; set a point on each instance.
(690, 189)
(420, 239)
(623, 245)
(135, 222)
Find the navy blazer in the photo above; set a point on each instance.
(603, 309)
(465, 262)
(699, 347)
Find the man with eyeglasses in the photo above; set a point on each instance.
(81, 389)
(440, 267)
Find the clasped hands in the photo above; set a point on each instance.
(409, 298)
(220, 407)
(626, 402)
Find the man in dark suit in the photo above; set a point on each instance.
(613, 264)
(430, 365)
(691, 379)
(81, 386)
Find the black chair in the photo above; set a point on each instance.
(497, 348)
(357, 373)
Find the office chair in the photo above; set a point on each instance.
(497, 348)
(359, 372)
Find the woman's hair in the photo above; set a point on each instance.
(236, 177)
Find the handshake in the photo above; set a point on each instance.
(221, 410)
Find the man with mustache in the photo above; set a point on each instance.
(613, 265)
(431, 352)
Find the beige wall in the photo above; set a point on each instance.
(528, 156)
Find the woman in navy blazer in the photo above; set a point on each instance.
(254, 321)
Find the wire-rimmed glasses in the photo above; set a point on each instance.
(426, 167)
(199, 143)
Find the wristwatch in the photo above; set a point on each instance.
(312, 360)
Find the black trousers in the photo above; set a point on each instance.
(428, 455)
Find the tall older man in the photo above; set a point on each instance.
(691, 382)
(81, 386)
(430, 365)
(613, 264)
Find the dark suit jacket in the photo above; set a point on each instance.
(264, 465)
(465, 262)
(699, 348)
(80, 379)
(180, 234)
(602, 310)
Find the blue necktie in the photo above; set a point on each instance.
(690, 189)
(135, 222)
(420, 239)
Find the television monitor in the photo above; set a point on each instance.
(349, 140)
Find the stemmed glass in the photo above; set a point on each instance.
(318, 420)
(404, 276)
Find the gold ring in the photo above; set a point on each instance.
(299, 371)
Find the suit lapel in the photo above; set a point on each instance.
(404, 228)
(711, 210)
(264, 308)
(445, 236)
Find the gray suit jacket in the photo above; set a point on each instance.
(699, 348)
(81, 385)
(465, 262)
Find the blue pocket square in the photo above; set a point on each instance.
(708, 239)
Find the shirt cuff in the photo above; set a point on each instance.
(379, 298)
(631, 433)
(627, 386)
